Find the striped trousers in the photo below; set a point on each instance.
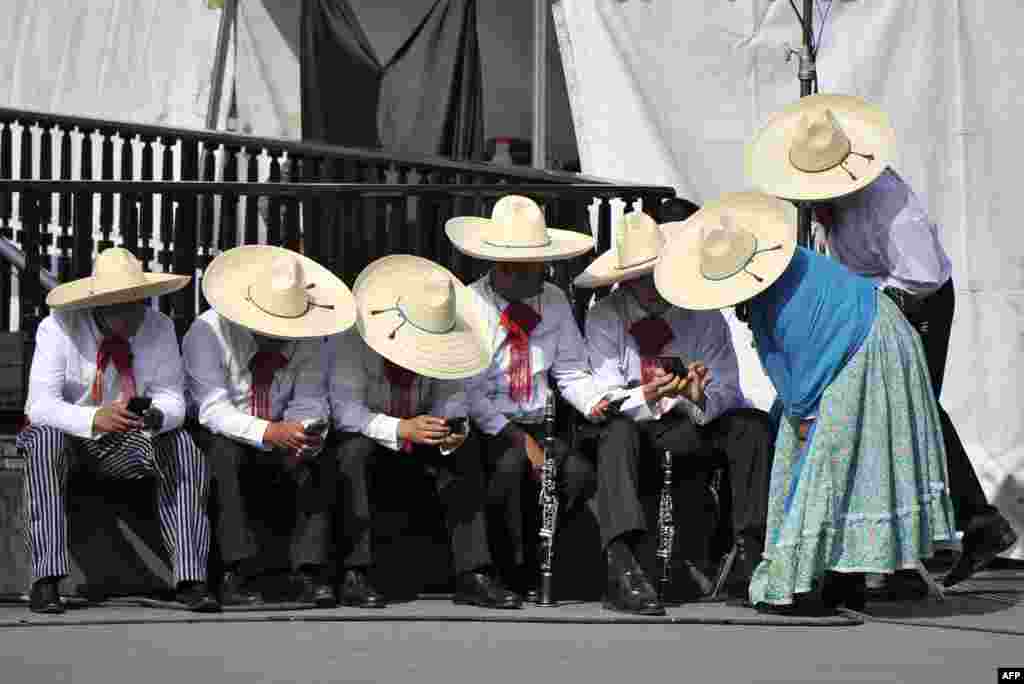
(172, 457)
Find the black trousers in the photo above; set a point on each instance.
(311, 486)
(629, 457)
(460, 485)
(932, 317)
(508, 484)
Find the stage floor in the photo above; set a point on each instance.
(963, 639)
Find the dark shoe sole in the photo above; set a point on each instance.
(351, 603)
(205, 606)
(469, 601)
(48, 609)
(653, 612)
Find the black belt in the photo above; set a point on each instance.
(910, 304)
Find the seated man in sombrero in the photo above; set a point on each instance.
(106, 390)
(396, 387)
(698, 412)
(258, 385)
(834, 151)
(531, 327)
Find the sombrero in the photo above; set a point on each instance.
(820, 147)
(279, 293)
(729, 251)
(638, 242)
(419, 316)
(117, 278)
(516, 231)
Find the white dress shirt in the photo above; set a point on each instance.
(361, 393)
(64, 367)
(697, 336)
(883, 232)
(556, 345)
(217, 354)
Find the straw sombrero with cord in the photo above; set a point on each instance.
(278, 293)
(516, 231)
(637, 246)
(117, 278)
(821, 147)
(729, 251)
(418, 315)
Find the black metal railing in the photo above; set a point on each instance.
(181, 226)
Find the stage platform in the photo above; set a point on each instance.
(978, 628)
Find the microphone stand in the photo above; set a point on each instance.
(808, 85)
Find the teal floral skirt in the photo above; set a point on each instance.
(868, 492)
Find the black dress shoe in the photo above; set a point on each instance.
(987, 537)
(233, 591)
(480, 589)
(902, 585)
(44, 597)
(357, 591)
(844, 590)
(197, 597)
(630, 591)
(314, 589)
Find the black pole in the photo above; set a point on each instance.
(807, 81)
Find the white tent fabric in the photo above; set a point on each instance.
(145, 61)
(669, 92)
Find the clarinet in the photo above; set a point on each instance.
(548, 505)
(666, 527)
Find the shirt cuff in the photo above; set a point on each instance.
(85, 422)
(637, 408)
(383, 429)
(492, 425)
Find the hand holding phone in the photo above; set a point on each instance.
(314, 426)
(457, 426)
(139, 405)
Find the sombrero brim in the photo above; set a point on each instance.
(226, 287)
(468, 233)
(678, 276)
(461, 353)
(870, 132)
(78, 294)
(605, 271)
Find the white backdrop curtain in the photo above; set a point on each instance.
(669, 92)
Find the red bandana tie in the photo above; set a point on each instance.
(263, 366)
(651, 335)
(402, 399)
(118, 351)
(825, 215)
(519, 320)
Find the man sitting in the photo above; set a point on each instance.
(256, 379)
(532, 329)
(106, 390)
(697, 411)
(396, 388)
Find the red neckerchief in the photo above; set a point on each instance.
(263, 366)
(519, 320)
(402, 399)
(116, 350)
(651, 333)
(825, 215)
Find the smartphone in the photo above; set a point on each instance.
(615, 406)
(457, 426)
(139, 405)
(314, 426)
(675, 365)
